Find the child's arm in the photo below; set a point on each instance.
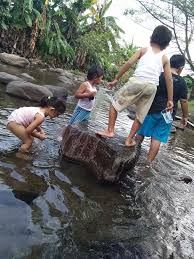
(83, 92)
(127, 65)
(35, 124)
(169, 82)
(184, 108)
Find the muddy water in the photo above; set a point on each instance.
(53, 209)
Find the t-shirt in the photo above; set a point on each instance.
(161, 97)
(25, 115)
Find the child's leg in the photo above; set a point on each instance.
(154, 148)
(20, 132)
(111, 123)
(129, 142)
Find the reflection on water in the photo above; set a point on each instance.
(54, 209)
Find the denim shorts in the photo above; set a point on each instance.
(79, 115)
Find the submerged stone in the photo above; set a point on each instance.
(185, 178)
(106, 158)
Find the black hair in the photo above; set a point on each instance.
(94, 72)
(177, 61)
(161, 36)
(54, 102)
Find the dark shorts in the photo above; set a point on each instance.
(155, 126)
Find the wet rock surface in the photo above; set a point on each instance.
(33, 92)
(57, 91)
(6, 78)
(107, 158)
(27, 91)
(14, 60)
(27, 77)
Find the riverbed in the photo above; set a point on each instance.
(51, 208)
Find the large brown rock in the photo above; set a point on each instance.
(106, 158)
(14, 60)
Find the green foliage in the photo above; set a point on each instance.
(75, 33)
(189, 81)
(97, 48)
(53, 43)
(177, 15)
(4, 14)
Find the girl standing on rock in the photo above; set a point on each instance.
(86, 94)
(25, 122)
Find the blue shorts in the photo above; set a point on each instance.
(155, 126)
(79, 115)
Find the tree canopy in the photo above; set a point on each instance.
(71, 33)
(178, 15)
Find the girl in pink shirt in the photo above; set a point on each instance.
(25, 122)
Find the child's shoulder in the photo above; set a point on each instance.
(142, 51)
(84, 85)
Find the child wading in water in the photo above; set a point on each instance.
(86, 95)
(154, 125)
(25, 122)
(141, 88)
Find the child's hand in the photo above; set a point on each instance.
(41, 131)
(170, 105)
(41, 136)
(112, 84)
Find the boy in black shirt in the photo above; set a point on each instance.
(154, 125)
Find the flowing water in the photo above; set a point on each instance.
(50, 208)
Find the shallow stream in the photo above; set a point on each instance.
(51, 208)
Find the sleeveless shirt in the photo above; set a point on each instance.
(86, 103)
(24, 115)
(150, 67)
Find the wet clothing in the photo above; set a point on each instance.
(141, 88)
(24, 115)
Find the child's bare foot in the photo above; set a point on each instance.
(130, 143)
(105, 133)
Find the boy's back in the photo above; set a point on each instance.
(179, 92)
(150, 65)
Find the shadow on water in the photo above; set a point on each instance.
(56, 209)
